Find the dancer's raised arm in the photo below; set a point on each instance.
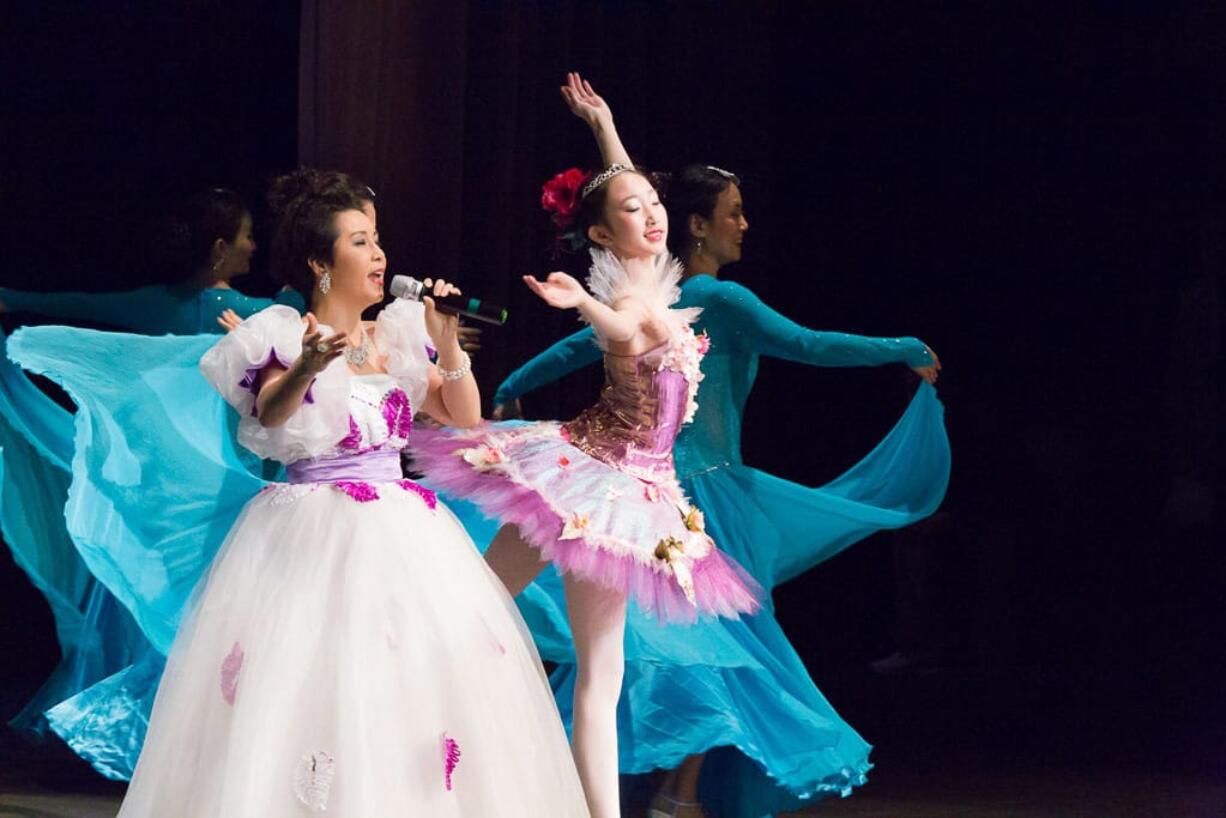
(586, 104)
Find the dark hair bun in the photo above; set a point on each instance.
(303, 204)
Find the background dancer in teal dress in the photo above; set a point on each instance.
(737, 688)
(211, 239)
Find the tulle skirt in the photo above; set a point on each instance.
(589, 518)
(358, 658)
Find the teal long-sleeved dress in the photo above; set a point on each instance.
(155, 310)
(736, 688)
(101, 645)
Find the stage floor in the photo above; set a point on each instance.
(983, 795)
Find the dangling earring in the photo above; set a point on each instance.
(325, 282)
(698, 246)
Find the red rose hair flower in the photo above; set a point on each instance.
(560, 196)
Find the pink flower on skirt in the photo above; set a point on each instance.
(451, 759)
(230, 667)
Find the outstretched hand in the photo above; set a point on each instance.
(229, 320)
(318, 351)
(929, 373)
(558, 290)
(584, 102)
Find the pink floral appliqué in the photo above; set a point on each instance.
(398, 412)
(353, 440)
(230, 667)
(362, 492)
(427, 496)
(483, 457)
(451, 759)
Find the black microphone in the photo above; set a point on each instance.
(413, 290)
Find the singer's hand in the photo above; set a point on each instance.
(585, 103)
(929, 373)
(470, 338)
(229, 320)
(441, 327)
(509, 411)
(318, 351)
(558, 290)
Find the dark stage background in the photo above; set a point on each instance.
(1037, 191)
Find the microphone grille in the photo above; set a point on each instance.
(403, 286)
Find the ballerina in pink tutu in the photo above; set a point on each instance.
(598, 496)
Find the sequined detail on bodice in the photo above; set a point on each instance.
(645, 401)
(380, 415)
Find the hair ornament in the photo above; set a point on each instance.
(604, 176)
(727, 174)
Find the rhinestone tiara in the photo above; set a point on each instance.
(604, 176)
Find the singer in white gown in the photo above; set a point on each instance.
(349, 651)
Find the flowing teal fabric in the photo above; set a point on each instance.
(95, 634)
(99, 639)
(157, 481)
(738, 688)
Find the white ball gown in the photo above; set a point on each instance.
(348, 652)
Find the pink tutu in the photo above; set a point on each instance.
(591, 519)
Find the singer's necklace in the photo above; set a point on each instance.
(357, 356)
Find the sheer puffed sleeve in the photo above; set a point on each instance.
(573, 352)
(401, 337)
(233, 367)
(750, 322)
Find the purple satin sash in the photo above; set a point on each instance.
(378, 466)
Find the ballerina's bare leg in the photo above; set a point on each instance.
(514, 561)
(597, 621)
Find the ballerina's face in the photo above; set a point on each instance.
(358, 263)
(635, 224)
(724, 232)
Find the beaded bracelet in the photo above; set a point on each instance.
(456, 374)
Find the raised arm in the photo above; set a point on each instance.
(128, 309)
(573, 352)
(588, 106)
(618, 323)
(748, 319)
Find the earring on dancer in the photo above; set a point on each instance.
(698, 246)
(325, 282)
